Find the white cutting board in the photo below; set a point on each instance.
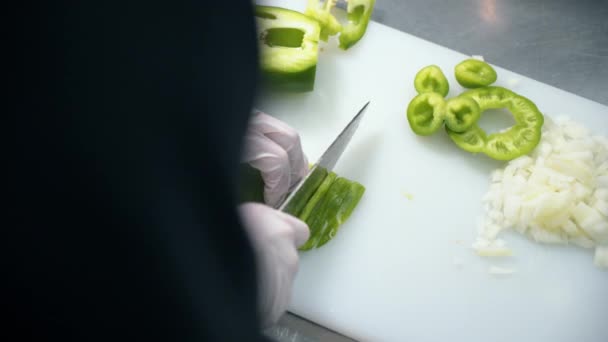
(389, 274)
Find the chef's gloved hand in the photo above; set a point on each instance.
(274, 148)
(275, 237)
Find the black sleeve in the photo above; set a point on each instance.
(126, 120)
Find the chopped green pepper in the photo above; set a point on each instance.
(288, 48)
(303, 196)
(351, 193)
(516, 141)
(321, 11)
(473, 73)
(431, 79)
(359, 14)
(316, 197)
(332, 206)
(425, 113)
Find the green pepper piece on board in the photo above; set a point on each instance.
(316, 178)
(288, 48)
(331, 210)
(317, 196)
(351, 192)
(461, 113)
(321, 11)
(517, 140)
(472, 140)
(431, 79)
(359, 13)
(425, 113)
(473, 73)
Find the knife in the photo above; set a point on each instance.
(294, 203)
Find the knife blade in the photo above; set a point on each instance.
(294, 203)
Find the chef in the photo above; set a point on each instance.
(127, 122)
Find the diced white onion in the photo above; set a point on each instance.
(557, 194)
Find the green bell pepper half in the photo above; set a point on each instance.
(509, 144)
(431, 79)
(473, 73)
(289, 43)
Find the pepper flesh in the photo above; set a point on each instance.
(288, 48)
(331, 208)
(473, 73)
(350, 193)
(516, 141)
(431, 79)
(461, 113)
(316, 178)
(316, 197)
(359, 12)
(425, 113)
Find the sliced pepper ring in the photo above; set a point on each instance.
(517, 140)
(425, 113)
(431, 79)
(461, 113)
(473, 73)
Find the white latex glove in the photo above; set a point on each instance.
(275, 237)
(274, 148)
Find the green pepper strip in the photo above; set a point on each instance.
(473, 73)
(431, 79)
(316, 197)
(330, 207)
(348, 194)
(317, 177)
(359, 13)
(288, 48)
(516, 141)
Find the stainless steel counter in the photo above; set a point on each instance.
(563, 43)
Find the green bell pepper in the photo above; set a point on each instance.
(431, 79)
(359, 12)
(516, 141)
(289, 43)
(325, 202)
(473, 73)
